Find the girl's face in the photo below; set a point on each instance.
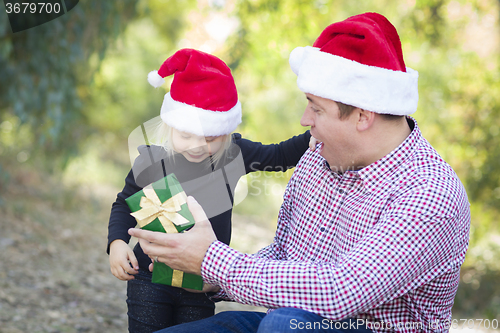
(195, 148)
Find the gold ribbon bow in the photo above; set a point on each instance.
(167, 214)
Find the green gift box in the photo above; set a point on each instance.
(161, 206)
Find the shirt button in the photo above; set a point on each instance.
(322, 229)
(341, 191)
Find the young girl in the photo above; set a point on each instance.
(193, 141)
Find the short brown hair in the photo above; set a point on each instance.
(345, 111)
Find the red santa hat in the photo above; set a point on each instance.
(359, 62)
(203, 99)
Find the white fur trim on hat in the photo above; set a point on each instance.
(342, 80)
(155, 79)
(187, 118)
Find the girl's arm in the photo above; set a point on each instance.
(272, 157)
(120, 219)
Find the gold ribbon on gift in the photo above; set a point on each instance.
(167, 214)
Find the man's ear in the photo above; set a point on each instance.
(365, 119)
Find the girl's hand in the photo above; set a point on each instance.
(120, 258)
(312, 143)
(207, 288)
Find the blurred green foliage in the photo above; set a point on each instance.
(44, 70)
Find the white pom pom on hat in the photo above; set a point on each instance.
(155, 79)
(296, 59)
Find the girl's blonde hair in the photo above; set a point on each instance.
(160, 134)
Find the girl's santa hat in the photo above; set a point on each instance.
(203, 99)
(359, 62)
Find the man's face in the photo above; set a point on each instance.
(195, 148)
(337, 135)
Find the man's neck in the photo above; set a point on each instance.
(382, 139)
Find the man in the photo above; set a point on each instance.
(374, 224)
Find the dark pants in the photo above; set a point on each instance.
(152, 306)
(281, 320)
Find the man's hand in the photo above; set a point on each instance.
(183, 251)
(207, 288)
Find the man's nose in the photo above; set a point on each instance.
(306, 119)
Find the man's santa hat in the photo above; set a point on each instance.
(203, 99)
(359, 62)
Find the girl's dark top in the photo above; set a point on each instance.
(212, 185)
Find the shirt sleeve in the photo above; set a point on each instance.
(404, 250)
(272, 157)
(120, 219)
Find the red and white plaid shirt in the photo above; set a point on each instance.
(384, 243)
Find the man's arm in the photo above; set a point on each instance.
(358, 284)
(400, 254)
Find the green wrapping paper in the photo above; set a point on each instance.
(161, 206)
